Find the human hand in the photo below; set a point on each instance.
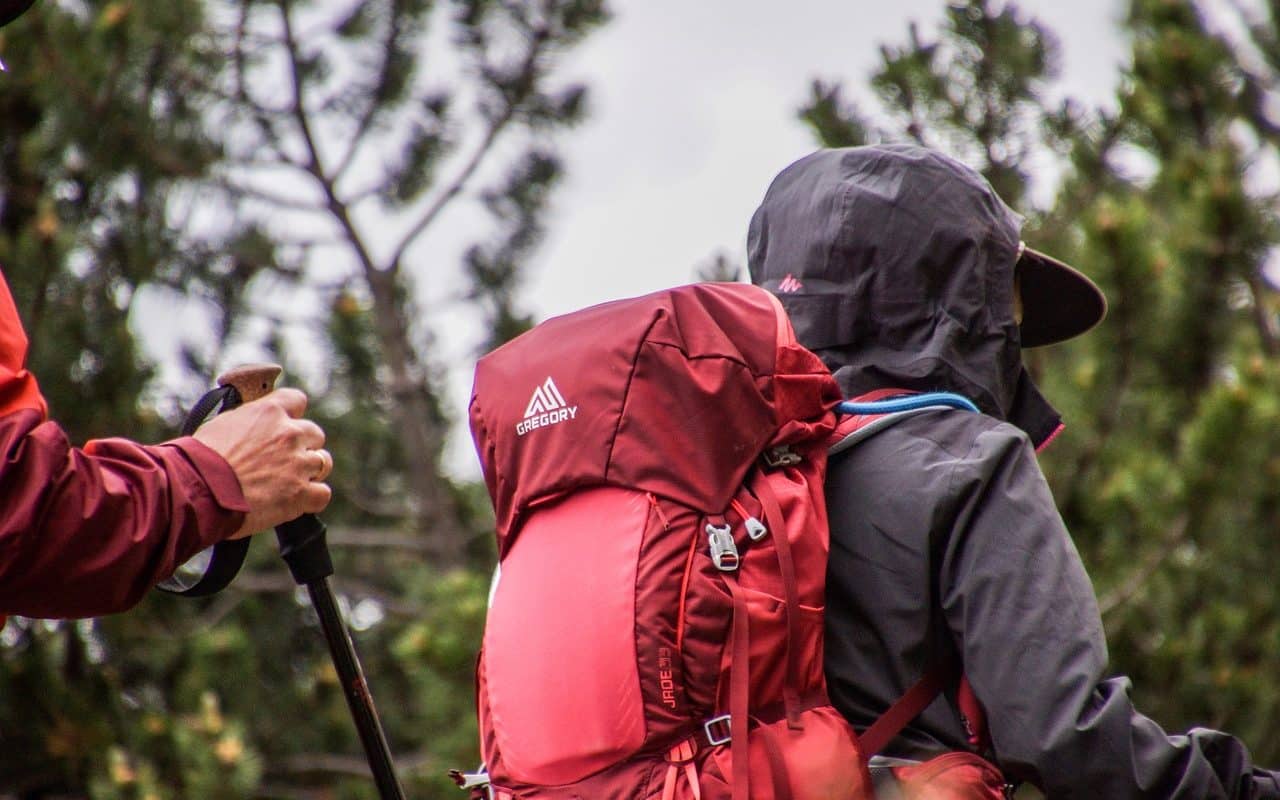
(278, 457)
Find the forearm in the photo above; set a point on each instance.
(88, 532)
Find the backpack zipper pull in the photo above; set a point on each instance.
(756, 529)
(724, 551)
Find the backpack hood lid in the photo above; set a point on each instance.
(674, 393)
(895, 264)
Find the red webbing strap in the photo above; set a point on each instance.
(974, 716)
(787, 569)
(680, 758)
(778, 773)
(739, 691)
(908, 707)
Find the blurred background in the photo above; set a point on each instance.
(376, 193)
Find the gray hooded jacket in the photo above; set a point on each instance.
(895, 264)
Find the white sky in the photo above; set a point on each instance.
(693, 113)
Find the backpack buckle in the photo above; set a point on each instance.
(724, 551)
(721, 724)
(780, 456)
(476, 782)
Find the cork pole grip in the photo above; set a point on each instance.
(252, 381)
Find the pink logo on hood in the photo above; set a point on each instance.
(790, 284)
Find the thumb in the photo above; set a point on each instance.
(293, 402)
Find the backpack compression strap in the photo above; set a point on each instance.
(872, 413)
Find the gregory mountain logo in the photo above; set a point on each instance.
(547, 407)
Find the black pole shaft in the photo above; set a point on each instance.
(359, 700)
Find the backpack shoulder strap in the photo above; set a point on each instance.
(914, 701)
(917, 698)
(864, 417)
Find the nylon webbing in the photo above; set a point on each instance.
(786, 566)
(739, 692)
(917, 699)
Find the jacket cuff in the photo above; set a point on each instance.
(217, 474)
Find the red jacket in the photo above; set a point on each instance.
(85, 532)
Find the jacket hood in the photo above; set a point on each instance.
(895, 264)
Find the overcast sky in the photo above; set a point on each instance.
(694, 105)
(693, 113)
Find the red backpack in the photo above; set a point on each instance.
(655, 632)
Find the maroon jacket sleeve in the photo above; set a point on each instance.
(88, 531)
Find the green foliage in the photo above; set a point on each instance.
(1167, 475)
(274, 170)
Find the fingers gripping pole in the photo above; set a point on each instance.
(237, 386)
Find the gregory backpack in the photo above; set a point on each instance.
(655, 630)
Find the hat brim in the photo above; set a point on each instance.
(1058, 302)
(12, 9)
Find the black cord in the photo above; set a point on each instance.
(226, 557)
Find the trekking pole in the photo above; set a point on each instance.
(303, 548)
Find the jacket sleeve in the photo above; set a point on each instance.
(85, 532)
(1023, 613)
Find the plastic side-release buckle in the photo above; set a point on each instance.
(717, 730)
(780, 456)
(475, 782)
(724, 551)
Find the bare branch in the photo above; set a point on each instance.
(242, 190)
(454, 188)
(371, 110)
(495, 128)
(260, 116)
(314, 164)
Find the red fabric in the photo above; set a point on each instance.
(951, 776)
(975, 716)
(18, 388)
(567, 593)
(812, 772)
(740, 692)
(695, 368)
(791, 593)
(89, 532)
(613, 440)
